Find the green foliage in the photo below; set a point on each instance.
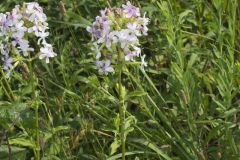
(183, 106)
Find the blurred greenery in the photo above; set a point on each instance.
(183, 106)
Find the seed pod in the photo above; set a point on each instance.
(25, 71)
(184, 97)
(62, 8)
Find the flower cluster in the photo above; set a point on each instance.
(16, 27)
(118, 30)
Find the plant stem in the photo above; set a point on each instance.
(8, 89)
(37, 134)
(36, 111)
(5, 90)
(121, 110)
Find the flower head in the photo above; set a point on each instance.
(118, 30)
(17, 27)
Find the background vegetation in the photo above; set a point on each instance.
(184, 106)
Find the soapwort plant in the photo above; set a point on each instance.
(18, 30)
(115, 35)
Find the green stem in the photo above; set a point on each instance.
(121, 102)
(5, 90)
(121, 110)
(8, 89)
(36, 111)
(37, 134)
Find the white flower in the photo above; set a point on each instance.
(144, 22)
(47, 52)
(109, 39)
(143, 63)
(130, 56)
(123, 37)
(96, 49)
(42, 36)
(134, 27)
(24, 46)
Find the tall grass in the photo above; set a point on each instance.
(183, 106)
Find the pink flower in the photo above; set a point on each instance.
(131, 11)
(104, 67)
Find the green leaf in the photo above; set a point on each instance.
(230, 112)
(138, 93)
(152, 146)
(17, 153)
(23, 142)
(118, 156)
(114, 146)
